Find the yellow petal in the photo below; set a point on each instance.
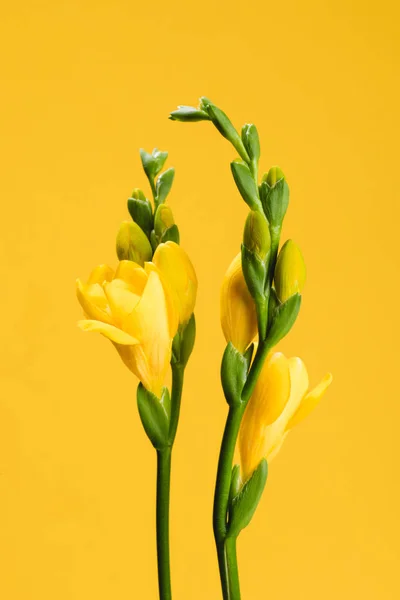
(238, 312)
(274, 433)
(149, 323)
(267, 402)
(101, 274)
(174, 264)
(121, 299)
(93, 301)
(173, 310)
(109, 331)
(310, 401)
(132, 274)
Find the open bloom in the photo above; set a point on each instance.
(132, 308)
(238, 311)
(279, 402)
(179, 277)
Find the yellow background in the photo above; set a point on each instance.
(84, 85)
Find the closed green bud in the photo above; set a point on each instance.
(132, 243)
(256, 236)
(188, 114)
(273, 175)
(163, 185)
(140, 210)
(246, 184)
(224, 126)
(163, 219)
(251, 141)
(139, 194)
(290, 271)
(274, 194)
(154, 162)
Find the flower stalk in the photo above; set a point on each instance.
(260, 298)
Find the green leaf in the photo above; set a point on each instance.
(188, 114)
(141, 212)
(244, 505)
(283, 318)
(236, 483)
(275, 201)
(164, 184)
(224, 126)
(234, 369)
(248, 355)
(246, 184)
(171, 235)
(188, 336)
(251, 141)
(154, 415)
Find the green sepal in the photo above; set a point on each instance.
(251, 141)
(153, 163)
(141, 212)
(275, 201)
(246, 184)
(236, 483)
(254, 272)
(283, 318)
(188, 114)
(244, 505)
(171, 234)
(234, 369)
(164, 184)
(154, 413)
(224, 126)
(183, 342)
(188, 336)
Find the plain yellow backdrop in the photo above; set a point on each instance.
(85, 84)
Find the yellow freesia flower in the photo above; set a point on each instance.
(132, 309)
(179, 277)
(238, 311)
(279, 402)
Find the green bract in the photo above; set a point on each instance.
(155, 414)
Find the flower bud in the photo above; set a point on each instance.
(273, 175)
(256, 236)
(163, 219)
(238, 310)
(132, 243)
(140, 210)
(290, 271)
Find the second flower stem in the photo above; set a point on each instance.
(226, 546)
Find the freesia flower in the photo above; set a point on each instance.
(133, 310)
(238, 311)
(280, 401)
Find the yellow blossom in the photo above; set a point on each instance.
(178, 275)
(131, 308)
(238, 311)
(280, 400)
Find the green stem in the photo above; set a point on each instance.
(232, 565)
(221, 497)
(226, 548)
(163, 488)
